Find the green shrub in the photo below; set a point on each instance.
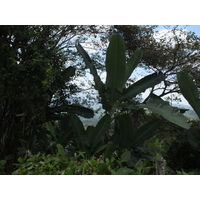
(79, 164)
(42, 164)
(181, 156)
(57, 164)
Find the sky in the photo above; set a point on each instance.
(193, 28)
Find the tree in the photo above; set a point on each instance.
(34, 80)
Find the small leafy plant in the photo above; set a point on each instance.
(60, 164)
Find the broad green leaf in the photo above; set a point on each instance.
(89, 133)
(49, 127)
(170, 113)
(52, 128)
(65, 130)
(90, 130)
(125, 130)
(116, 95)
(102, 169)
(189, 91)
(55, 116)
(85, 55)
(144, 132)
(64, 124)
(132, 62)
(141, 85)
(61, 150)
(123, 171)
(115, 65)
(79, 131)
(98, 149)
(125, 157)
(111, 147)
(98, 83)
(154, 96)
(64, 136)
(100, 130)
(80, 110)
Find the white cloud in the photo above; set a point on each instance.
(167, 36)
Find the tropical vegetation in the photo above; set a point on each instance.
(40, 127)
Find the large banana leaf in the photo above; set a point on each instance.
(132, 62)
(80, 110)
(141, 85)
(65, 136)
(64, 123)
(86, 57)
(80, 133)
(145, 132)
(98, 83)
(125, 129)
(95, 147)
(171, 114)
(65, 130)
(100, 130)
(189, 91)
(53, 129)
(89, 133)
(115, 65)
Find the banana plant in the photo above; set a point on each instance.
(118, 69)
(190, 91)
(89, 140)
(161, 107)
(114, 92)
(127, 140)
(59, 132)
(124, 126)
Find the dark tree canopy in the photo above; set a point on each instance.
(33, 61)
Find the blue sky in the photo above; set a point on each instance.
(193, 28)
